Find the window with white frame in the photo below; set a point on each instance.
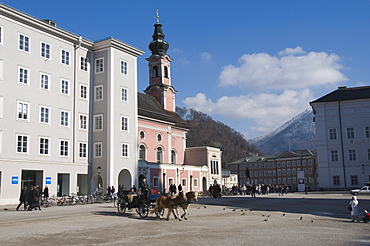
(44, 114)
(124, 93)
(99, 65)
(64, 87)
(83, 64)
(124, 123)
(155, 181)
(22, 144)
(64, 145)
(354, 180)
(214, 167)
(350, 133)
(183, 183)
(82, 150)
(45, 50)
(98, 149)
(44, 146)
(24, 43)
(64, 57)
(83, 122)
(98, 93)
(142, 135)
(64, 118)
(173, 157)
(332, 134)
(367, 131)
(22, 110)
(124, 148)
(83, 91)
(352, 155)
(195, 182)
(159, 154)
(123, 67)
(23, 75)
(44, 81)
(142, 152)
(98, 122)
(334, 155)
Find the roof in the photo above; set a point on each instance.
(149, 107)
(344, 94)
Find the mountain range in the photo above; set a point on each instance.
(297, 133)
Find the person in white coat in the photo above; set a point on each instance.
(354, 205)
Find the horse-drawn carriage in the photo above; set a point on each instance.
(138, 201)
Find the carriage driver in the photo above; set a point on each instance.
(144, 188)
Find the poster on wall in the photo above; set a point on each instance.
(48, 180)
(15, 180)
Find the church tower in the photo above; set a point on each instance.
(159, 70)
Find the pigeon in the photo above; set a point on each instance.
(311, 221)
(224, 209)
(250, 209)
(265, 220)
(242, 210)
(283, 214)
(234, 209)
(198, 207)
(205, 207)
(269, 215)
(301, 218)
(243, 213)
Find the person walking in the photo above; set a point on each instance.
(353, 204)
(46, 192)
(23, 198)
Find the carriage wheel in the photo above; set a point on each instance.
(143, 210)
(121, 207)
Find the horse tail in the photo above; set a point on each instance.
(155, 209)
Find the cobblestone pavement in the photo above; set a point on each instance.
(319, 218)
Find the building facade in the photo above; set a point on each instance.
(67, 106)
(280, 169)
(342, 120)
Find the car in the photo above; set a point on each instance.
(364, 190)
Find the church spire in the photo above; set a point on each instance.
(158, 46)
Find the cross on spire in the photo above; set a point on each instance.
(157, 16)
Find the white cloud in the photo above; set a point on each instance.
(177, 50)
(205, 56)
(262, 112)
(294, 71)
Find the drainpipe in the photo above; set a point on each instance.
(341, 145)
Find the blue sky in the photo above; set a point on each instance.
(252, 65)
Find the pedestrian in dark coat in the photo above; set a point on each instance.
(179, 187)
(172, 189)
(30, 199)
(36, 198)
(46, 192)
(23, 198)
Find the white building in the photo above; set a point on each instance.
(60, 97)
(342, 120)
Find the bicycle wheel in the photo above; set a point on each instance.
(143, 210)
(121, 207)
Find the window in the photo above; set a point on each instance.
(142, 152)
(65, 57)
(82, 150)
(367, 131)
(64, 87)
(310, 171)
(350, 133)
(98, 93)
(64, 147)
(173, 157)
(124, 150)
(354, 180)
(288, 171)
(159, 137)
(214, 168)
(99, 65)
(304, 163)
(159, 155)
(22, 144)
(45, 50)
(123, 67)
(170, 181)
(352, 154)
(334, 155)
(98, 149)
(166, 72)
(183, 183)
(22, 111)
(155, 72)
(44, 146)
(124, 123)
(83, 64)
(44, 81)
(294, 171)
(332, 133)
(124, 95)
(23, 75)
(155, 181)
(336, 180)
(44, 114)
(64, 115)
(83, 122)
(24, 43)
(195, 182)
(142, 135)
(98, 122)
(83, 91)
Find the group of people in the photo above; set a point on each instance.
(31, 199)
(353, 207)
(214, 190)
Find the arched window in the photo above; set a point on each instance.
(159, 155)
(173, 157)
(155, 72)
(166, 72)
(142, 152)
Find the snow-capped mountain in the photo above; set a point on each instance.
(297, 133)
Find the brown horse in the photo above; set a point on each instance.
(163, 202)
(190, 196)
